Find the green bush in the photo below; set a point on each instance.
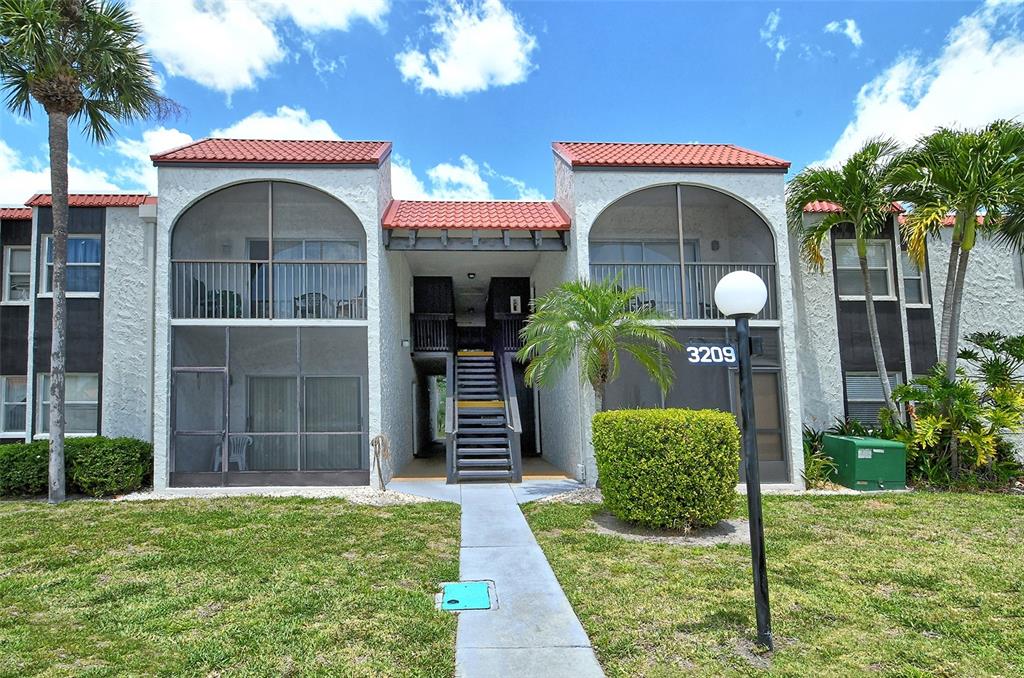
(24, 468)
(95, 466)
(668, 468)
(109, 466)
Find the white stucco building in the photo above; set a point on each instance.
(276, 310)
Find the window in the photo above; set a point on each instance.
(914, 281)
(850, 281)
(664, 252)
(13, 391)
(83, 266)
(81, 403)
(864, 395)
(17, 269)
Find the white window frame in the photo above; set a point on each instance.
(881, 399)
(922, 271)
(8, 251)
(46, 279)
(44, 393)
(7, 432)
(891, 296)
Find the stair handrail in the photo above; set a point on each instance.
(451, 417)
(512, 420)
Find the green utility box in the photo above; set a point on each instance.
(868, 463)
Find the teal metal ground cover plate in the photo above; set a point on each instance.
(469, 595)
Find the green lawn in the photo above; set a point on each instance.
(907, 585)
(246, 586)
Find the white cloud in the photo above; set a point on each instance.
(467, 180)
(285, 123)
(847, 27)
(139, 170)
(22, 176)
(967, 84)
(229, 45)
(770, 34)
(479, 46)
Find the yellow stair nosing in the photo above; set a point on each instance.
(476, 353)
(481, 403)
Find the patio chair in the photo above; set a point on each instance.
(311, 305)
(238, 449)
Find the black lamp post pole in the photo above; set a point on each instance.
(753, 478)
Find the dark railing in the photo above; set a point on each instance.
(433, 332)
(663, 286)
(512, 421)
(508, 327)
(254, 289)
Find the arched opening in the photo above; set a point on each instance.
(268, 249)
(676, 242)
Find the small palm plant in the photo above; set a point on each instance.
(82, 62)
(594, 321)
(864, 189)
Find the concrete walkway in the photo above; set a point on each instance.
(534, 632)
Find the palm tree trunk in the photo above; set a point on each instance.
(58, 124)
(876, 342)
(599, 397)
(952, 347)
(947, 297)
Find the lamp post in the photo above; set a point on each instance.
(740, 296)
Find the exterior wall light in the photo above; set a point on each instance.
(740, 296)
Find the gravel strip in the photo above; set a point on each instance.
(587, 495)
(356, 495)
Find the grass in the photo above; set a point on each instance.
(241, 586)
(921, 584)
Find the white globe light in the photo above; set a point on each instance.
(740, 293)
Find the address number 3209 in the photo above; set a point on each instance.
(711, 354)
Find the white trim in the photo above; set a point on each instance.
(678, 322)
(8, 250)
(5, 432)
(46, 436)
(921, 277)
(45, 392)
(887, 244)
(44, 265)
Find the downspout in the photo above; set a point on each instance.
(30, 363)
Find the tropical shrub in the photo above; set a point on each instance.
(818, 466)
(96, 466)
(959, 426)
(668, 468)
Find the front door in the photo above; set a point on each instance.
(200, 454)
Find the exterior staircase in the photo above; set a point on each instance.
(482, 445)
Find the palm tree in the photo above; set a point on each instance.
(81, 60)
(978, 177)
(594, 322)
(864, 190)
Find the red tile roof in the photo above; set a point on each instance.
(825, 207)
(271, 151)
(585, 154)
(492, 214)
(91, 200)
(948, 220)
(15, 212)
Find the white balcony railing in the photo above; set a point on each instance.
(663, 286)
(258, 290)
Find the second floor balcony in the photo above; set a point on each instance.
(687, 292)
(265, 290)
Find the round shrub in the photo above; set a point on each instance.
(104, 466)
(24, 468)
(668, 468)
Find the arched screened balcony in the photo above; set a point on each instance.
(268, 250)
(677, 242)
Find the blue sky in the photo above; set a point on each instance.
(472, 94)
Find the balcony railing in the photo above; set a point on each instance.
(663, 285)
(433, 332)
(258, 290)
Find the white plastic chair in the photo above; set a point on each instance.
(238, 447)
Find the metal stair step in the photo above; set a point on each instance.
(461, 440)
(481, 451)
(482, 429)
(485, 463)
(481, 421)
(484, 474)
(489, 411)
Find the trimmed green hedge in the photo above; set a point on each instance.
(95, 466)
(668, 468)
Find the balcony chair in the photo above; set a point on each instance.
(238, 453)
(311, 305)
